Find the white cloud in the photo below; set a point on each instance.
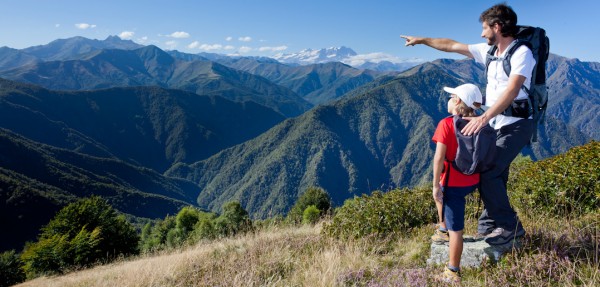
(378, 58)
(126, 35)
(245, 49)
(142, 40)
(272, 49)
(57, 25)
(245, 39)
(171, 45)
(179, 35)
(84, 26)
(207, 47)
(228, 39)
(193, 45)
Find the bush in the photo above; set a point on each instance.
(233, 220)
(81, 234)
(155, 237)
(10, 269)
(312, 196)
(205, 228)
(382, 214)
(311, 215)
(564, 185)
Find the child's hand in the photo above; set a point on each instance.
(438, 195)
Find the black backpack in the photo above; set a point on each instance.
(476, 153)
(536, 40)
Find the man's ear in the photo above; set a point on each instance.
(497, 27)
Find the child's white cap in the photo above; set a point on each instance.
(468, 93)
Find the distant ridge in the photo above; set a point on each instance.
(147, 126)
(151, 66)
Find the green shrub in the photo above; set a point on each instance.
(312, 196)
(154, 237)
(10, 269)
(205, 228)
(382, 214)
(311, 215)
(233, 220)
(81, 234)
(564, 185)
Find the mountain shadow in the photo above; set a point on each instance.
(36, 180)
(147, 126)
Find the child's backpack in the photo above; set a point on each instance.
(536, 40)
(477, 152)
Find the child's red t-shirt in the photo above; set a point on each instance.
(444, 133)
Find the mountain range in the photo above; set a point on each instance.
(168, 129)
(151, 66)
(379, 139)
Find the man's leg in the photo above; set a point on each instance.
(497, 210)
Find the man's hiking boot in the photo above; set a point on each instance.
(440, 237)
(477, 237)
(502, 236)
(449, 276)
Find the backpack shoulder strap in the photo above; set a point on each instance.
(489, 57)
(509, 53)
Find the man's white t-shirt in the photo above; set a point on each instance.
(521, 62)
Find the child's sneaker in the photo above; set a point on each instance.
(440, 237)
(449, 276)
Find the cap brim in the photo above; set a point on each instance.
(449, 90)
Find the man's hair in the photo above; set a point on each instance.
(501, 14)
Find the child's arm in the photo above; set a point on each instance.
(438, 165)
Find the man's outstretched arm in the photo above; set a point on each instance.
(442, 44)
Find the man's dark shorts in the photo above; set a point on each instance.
(454, 206)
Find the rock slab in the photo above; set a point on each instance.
(474, 252)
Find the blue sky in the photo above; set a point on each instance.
(267, 27)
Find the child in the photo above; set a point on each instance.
(449, 185)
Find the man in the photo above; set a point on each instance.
(498, 223)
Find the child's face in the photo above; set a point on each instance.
(452, 103)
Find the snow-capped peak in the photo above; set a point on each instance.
(373, 61)
(310, 56)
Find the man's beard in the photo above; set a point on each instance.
(491, 40)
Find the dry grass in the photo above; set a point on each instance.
(294, 256)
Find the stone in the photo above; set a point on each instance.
(474, 252)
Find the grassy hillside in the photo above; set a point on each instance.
(283, 256)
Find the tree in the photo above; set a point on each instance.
(186, 219)
(81, 234)
(10, 269)
(312, 196)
